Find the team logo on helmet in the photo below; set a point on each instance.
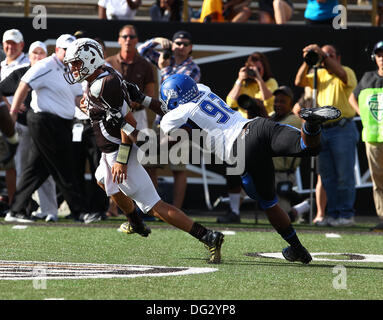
(171, 93)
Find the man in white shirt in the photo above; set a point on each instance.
(50, 125)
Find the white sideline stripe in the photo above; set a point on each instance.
(229, 233)
(333, 235)
(18, 227)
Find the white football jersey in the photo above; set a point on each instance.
(211, 114)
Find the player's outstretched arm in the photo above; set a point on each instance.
(138, 96)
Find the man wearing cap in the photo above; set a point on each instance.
(50, 125)
(367, 100)
(13, 45)
(175, 58)
(285, 166)
(339, 137)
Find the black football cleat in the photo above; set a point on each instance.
(142, 229)
(301, 255)
(319, 115)
(213, 241)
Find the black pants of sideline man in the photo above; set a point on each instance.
(51, 153)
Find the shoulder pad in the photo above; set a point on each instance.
(96, 87)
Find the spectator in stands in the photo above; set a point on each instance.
(366, 100)
(211, 11)
(237, 10)
(175, 57)
(13, 45)
(118, 9)
(339, 137)
(275, 11)
(229, 11)
(256, 80)
(50, 126)
(47, 192)
(166, 10)
(379, 14)
(320, 11)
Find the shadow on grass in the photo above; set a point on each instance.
(275, 263)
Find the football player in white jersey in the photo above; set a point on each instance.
(119, 173)
(255, 141)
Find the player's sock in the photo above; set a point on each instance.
(290, 236)
(311, 128)
(134, 217)
(198, 230)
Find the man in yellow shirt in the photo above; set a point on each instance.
(339, 137)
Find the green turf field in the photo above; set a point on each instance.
(242, 275)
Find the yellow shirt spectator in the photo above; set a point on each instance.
(332, 91)
(212, 8)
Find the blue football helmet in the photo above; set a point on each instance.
(177, 89)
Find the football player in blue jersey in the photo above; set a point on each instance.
(189, 105)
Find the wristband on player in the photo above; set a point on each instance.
(146, 101)
(128, 129)
(123, 153)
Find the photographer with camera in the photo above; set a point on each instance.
(339, 137)
(172, 57)
(256, 80)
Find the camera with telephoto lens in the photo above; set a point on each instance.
(167, 53)
(254, 107)
(312, 58)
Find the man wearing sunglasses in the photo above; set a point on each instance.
(171, 57)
